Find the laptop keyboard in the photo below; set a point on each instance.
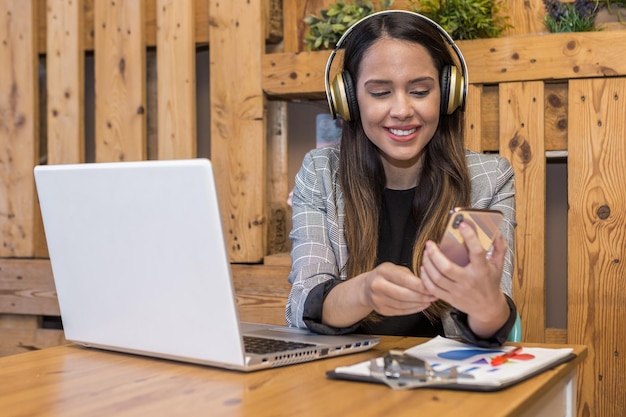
(261, 345)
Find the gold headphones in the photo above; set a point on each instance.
(341, 93)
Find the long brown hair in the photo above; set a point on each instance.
(444, 179)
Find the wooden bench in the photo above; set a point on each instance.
(28, 296)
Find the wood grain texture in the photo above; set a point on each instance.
(72, 381)
(27, 293)
(19, 128)
(525, 17)
(261, 292)
(519, 58)
(596, 236)
(21, 340)
(120, 81)
(238, 144)
(65, 70)
(521, 141)
(279, 212)
(201, 23)
(473, 118)
(27, 287)
(176, 85)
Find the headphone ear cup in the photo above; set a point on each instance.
(452, 89)
(445, 90)
(343, 97)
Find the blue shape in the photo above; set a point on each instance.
(464, 354)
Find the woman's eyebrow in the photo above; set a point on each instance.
(413, 81)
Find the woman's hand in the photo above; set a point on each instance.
(473, 289)
(393, 290)
(388, 289)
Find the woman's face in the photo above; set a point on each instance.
(398, 94)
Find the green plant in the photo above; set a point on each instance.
(326, 29)
(466, 19)
(571, 17)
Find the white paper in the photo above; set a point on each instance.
(441, 354)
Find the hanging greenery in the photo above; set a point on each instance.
(466, 19)
(570, 17)
(326, 29)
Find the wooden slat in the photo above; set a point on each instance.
(521, 141)
(473, 118)
(262, 292)
(19, 127)
(556, 116)
(524, 19)
(518, 58)
(238, 146)
(176, 83)
(65, 71)
(27, 287)
(596, 236)
(490, 118)
(120, 80)
(14, 341)
(558, 336)
(201, 23)
(279, 213)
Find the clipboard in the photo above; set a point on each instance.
(450, 364)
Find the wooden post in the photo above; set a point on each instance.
(521, 141)
(65, 71)
(596, 236)
(120, 56)
(176, 85)
(19, 127)
(238, 144)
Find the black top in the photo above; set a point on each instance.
(395, 244)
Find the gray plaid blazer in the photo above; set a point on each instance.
(319, 250)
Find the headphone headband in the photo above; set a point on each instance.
(431, 22)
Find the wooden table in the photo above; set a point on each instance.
(75, 381)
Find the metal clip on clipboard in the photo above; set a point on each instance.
(400, 371)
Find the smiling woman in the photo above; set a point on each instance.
(366, 213)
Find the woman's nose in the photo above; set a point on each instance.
(401, 107)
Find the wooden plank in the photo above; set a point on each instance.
(262, 292)
(490, 118)
(176, 85)
(596, 236)
(27, 287)
(238, 144)
(525, 17)
(65, 70)
(14, 341)
(521, 141)
(556, 116)
(473, 118)
(19, 127)
(120, 81)
(489, 61)
(273, 20)
(201, 25)
(279, 214)
(557, 336)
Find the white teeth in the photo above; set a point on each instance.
(399, 132)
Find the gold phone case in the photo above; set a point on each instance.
(484, 222)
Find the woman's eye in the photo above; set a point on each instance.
(420, 93)
(379, 93)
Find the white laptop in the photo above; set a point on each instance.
(140, 266)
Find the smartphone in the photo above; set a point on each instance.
(484, 222)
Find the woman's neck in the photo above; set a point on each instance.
(402, 176)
